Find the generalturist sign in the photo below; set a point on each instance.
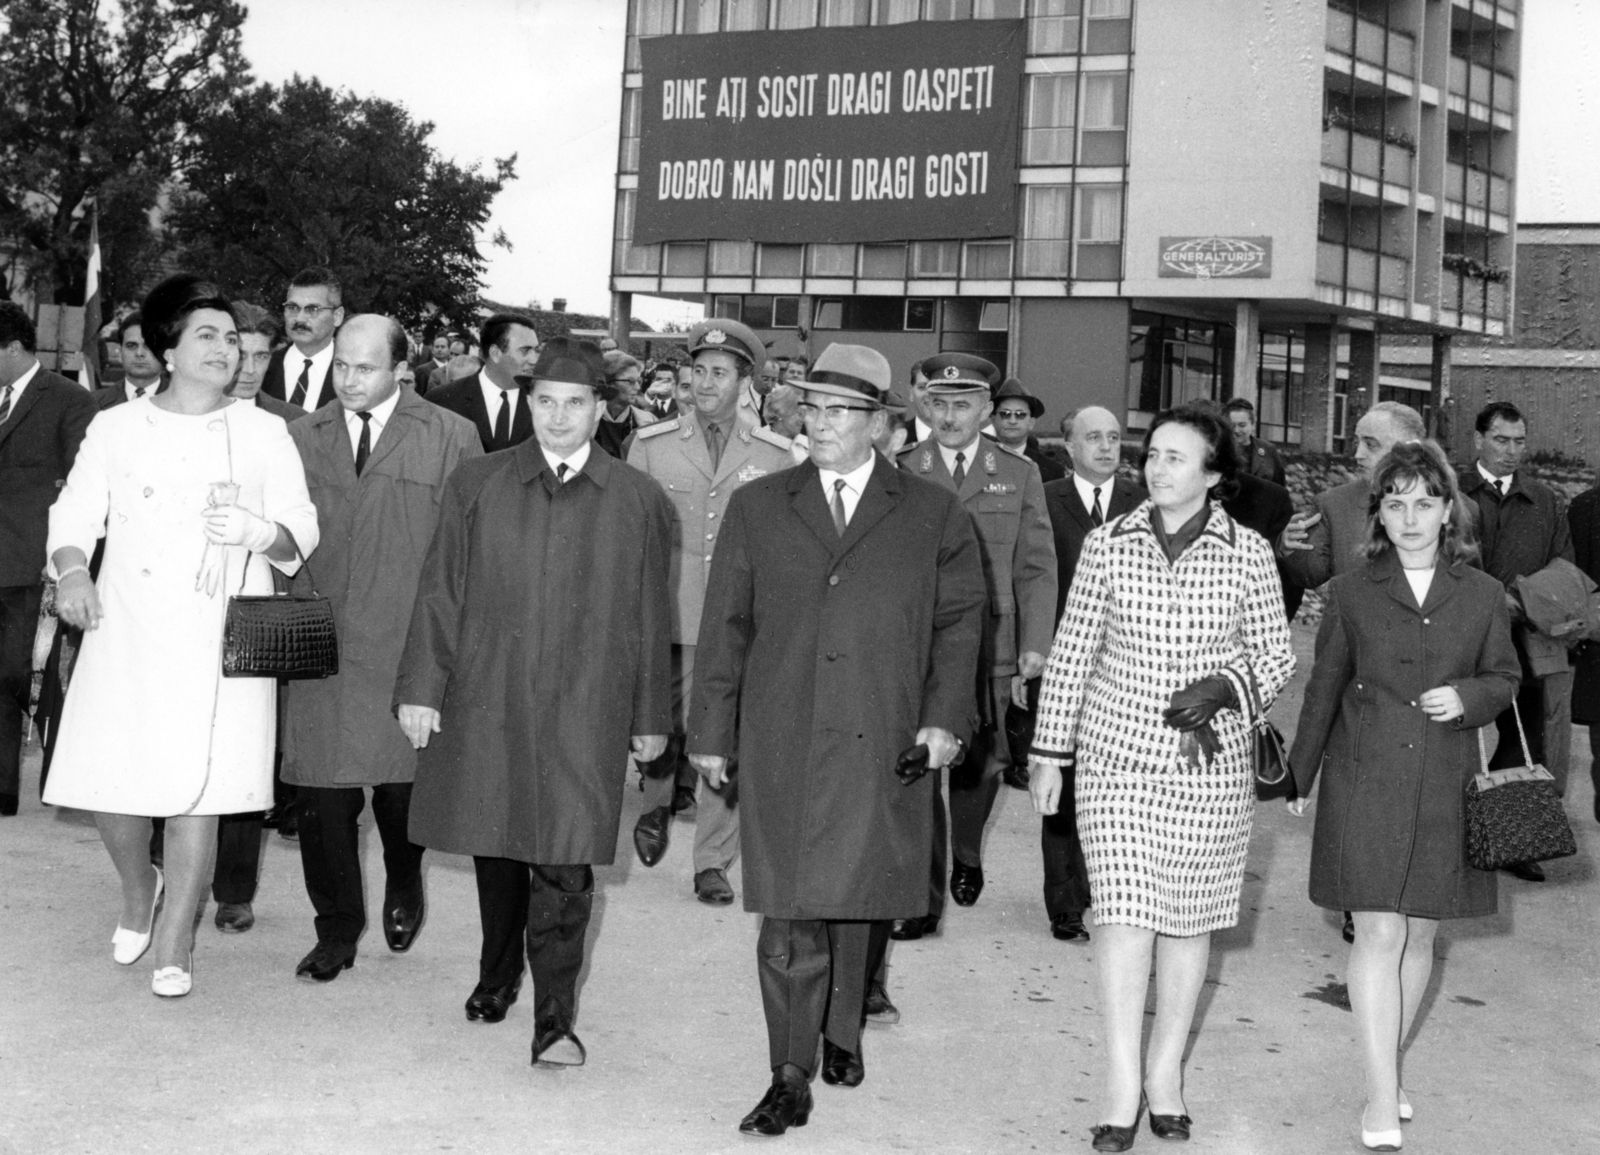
(900, 132)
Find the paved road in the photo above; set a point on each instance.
(997, 1050)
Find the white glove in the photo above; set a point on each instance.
(230, 525)
(213, 566)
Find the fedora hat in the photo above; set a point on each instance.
(853, 371)
(572, 362)
(1011, 390)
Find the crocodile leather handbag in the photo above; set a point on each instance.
(1515, 815)
(287, 636)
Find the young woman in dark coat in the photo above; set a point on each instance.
(1414, 654)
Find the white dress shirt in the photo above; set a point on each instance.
(18, 386)
(1495, 481)
(1086, 492)
(131, 390)
(574, 463)
(969, 455)
(293, 362)
(855, 483)
(491, 401)
(381, 412)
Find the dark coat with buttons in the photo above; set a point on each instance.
(1391, 814)
(820, 657)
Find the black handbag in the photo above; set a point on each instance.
(1269, 761)
(1515, 815)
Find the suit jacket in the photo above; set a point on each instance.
(274, 384)
(375, 531)
(1261, 460)
(1266, 507)
(465, 397)
(1005, 497)
(279, 408)
(819, 659)
(1336, 540)
(1070, 524)
(38, 444)
(109, 396)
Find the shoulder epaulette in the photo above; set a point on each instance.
(645, 432)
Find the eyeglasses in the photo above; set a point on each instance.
(309, 312)
(834, 413)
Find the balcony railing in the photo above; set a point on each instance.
(1367, 271)
(1482, 85)
(1363, 154)
(1477, 189)
(1370, 41)
(1475, 297)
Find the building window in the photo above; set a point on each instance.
(828, 315)
(1109, 28)
(972, 325)
(898, 11)
(702, 15)
(729, 308)
(947, 10)
(685, 259)
(1052, 108)
(631, 258)
(832, 260)
(733, 258)
(935, 258)
(1046, 230)
(1053, 28)
(649, 18)
(1099, 233)
(919, 315)
(883, 262)
(794, 14)
(781, 260)
(628, 157)
(786, 312)
(1105, 118)
(846, 13)
(988, 261)
(997, 9)
(745, 16)
(1280, 379)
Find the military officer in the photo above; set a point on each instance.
(1005, 496)
(700, 458)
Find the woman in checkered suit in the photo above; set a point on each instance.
(1173, 639)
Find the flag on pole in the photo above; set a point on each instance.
(89, 362)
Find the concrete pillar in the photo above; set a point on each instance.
(1363, 383)
(1246, 350)
(1322, 380)
(1439, 398)
(621, 310)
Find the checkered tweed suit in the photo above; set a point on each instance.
(1164, 843)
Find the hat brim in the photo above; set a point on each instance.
(960, 385)
(833, 390)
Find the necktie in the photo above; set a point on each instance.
(961, 469)
(364, 445)
(714, 444)
(502, 421)
(1096, 515)
(138, 391)
(561, 473)
(1500, 484)
(839, 521)
(302, 386)
(5, 404)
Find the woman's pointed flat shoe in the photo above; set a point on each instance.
(1170, 1126)
(128, 946)
(1405, 1108)
(173, 982)
(1379, 1140)
(1110, 1137)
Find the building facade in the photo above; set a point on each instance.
(1212, 199)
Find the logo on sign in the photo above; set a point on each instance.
(1206, 257)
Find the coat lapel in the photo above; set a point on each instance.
(694, 447)
(805, 496)
(978, 473)
(395, 430)
(20, 407)
(881, 495)
(335, 441)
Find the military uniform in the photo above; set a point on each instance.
(677, 455)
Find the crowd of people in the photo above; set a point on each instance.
(830, 619)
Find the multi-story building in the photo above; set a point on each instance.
(1212, 199)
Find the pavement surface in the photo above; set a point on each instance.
(997, 1050)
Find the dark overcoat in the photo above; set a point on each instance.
(375, 533)
(820, 657)
(542, 634)
(1391, 815)
(1583, 518)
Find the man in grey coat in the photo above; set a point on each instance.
(375, 464)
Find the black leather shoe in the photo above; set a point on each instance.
(8, 805)
(234, 917)
(326, 960)
(1170, 1126)
(490, 1004)
(1348, 930)
(402, 923)
(682, 798)
(841, 1068)
(1015, 776)
(966, 883)
(1069, 927)
(1110, 1137)
(786, 1104)
(289, 824)
(877, 1008)
(711, 886)
(906, 929)
(1527, 871)
(556, 1046)
(650, 834)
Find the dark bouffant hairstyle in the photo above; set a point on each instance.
(1221, 457)
(1422, 463)
(167, 308)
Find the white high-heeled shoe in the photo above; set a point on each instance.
(175, 982)
(1405, 1107)
(128, 946)
(1379, 1140)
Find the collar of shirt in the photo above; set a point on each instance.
(294, 361)
(491, 395)
(969, 454)
(575, 463)
(380, 412)
(855, 484)
(923, 430)
(726, 428)
(130, 389)
(1086, 493)
(1494, 482)
(20, 384)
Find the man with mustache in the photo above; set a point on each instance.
(302, 373)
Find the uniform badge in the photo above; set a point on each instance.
(714, 337)
(951, 372)
(989, 465)
(926, 465)
(999, 487)
(750, 473)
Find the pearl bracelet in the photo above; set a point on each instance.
(70, 570)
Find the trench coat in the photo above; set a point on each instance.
(820, 657)
(542, 634)
(375, 533)
(1391, 815)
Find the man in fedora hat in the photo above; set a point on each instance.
(1015, 411)
(700, 459)
(539, 641)
(1005, 498)
(841, 630)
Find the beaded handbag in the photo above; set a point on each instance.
(1515, 815)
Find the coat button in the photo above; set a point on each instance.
(709, 516)
(148, 491)
(1426, 622)
(833, 580)
(832, 656)
(708, 557)
(710, 536)
(1413, 702)
(713, 493)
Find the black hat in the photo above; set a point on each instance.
(1011, 390)
(573, 362)
(960, 373)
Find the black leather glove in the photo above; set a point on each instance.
(912, 764)
(1198, 702)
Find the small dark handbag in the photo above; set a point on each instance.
(287, 636)
(1515, 815)
(1269, 761)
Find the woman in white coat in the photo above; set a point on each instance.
(187, 487)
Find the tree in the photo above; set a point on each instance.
(99, 107)
(282, 178)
